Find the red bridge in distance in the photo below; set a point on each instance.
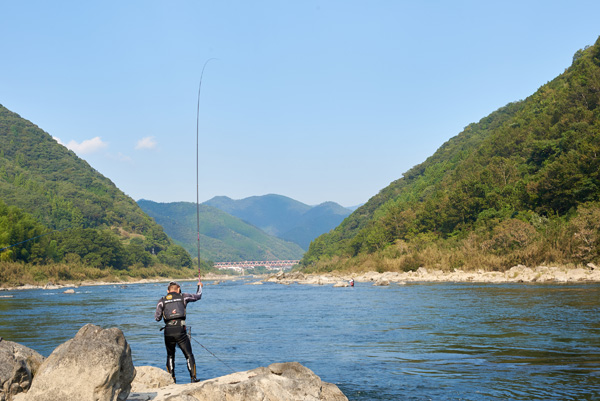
(247, 264)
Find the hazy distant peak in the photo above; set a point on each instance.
(284, 217)
(333, 207)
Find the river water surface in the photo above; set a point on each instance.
(443, 341)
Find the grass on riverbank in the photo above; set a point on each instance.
(18, 274)
(509, 244)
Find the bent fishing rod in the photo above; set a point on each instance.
(198, 163)
(189, 333)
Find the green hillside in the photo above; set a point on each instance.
(82, 219)
(222, 237)
(314, 222)
(274, 214)
(284, 217)
(520, 186)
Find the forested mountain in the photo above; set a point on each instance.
(314, 222)
(284, 217)
(80, 216)
(222, 237)
(520, 186)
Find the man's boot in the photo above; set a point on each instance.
(171, 367)
(191, 364)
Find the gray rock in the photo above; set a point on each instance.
(278, 382)
(149, 377)
(331, 392)
(286, 277)
(95, 365)
(18, 366)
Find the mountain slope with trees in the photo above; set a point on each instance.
(521, 186)
(222, 237)
(284, 217)
(80, 218)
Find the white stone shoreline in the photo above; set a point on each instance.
(52, 286)
(207, 279)
(516, 274)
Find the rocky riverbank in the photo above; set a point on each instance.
(516, 274)
(278, 381)
(54, 286)
(210, 278)
(96, 365)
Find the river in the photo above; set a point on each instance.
(437, 341)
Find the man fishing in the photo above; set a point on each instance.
(171, 308)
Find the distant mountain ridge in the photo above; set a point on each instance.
(284, 217)
(223, 237)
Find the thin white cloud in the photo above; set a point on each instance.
(119, 157)
(146, 143)
(124, 158)
(86, 147)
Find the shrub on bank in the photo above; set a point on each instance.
(495, 246)
(15, 274)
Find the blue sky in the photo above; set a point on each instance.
(315, 100)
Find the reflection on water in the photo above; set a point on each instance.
(418, 341)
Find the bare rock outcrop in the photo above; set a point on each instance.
(288, 381)
(286, 278)
(309, 279)
(18, 366)
(516, 274)
(95, 365)
(149, 377)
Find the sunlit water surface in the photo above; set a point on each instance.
(413, 342)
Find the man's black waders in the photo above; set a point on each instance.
(176, 335)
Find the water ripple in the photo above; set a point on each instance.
(443, 341)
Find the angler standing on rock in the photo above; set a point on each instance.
(171, 308)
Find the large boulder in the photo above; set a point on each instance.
(289, 381)
(149, 377)
(18, 365)
(95, 365)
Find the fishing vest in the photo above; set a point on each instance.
(174, 307)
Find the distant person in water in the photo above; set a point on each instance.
(171, 308)
(351, 282)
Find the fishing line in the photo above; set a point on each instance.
(198, 342)
(22, 242)
(197, 163)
